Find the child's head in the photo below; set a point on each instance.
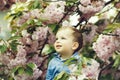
(68, 40)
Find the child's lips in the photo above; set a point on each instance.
(58, 46)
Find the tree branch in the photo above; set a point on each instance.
(44, 43)
(68, 11)
(109, 2)
(117, 17)
(106, 67)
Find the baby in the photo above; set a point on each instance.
(68, 42)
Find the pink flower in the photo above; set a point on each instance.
(117, 38)
(53, 12)
(90, 34)
(89, 8)
(92, 70)
(104, 47)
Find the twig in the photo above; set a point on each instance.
(44, 43)
(107, 34)
(117, 16)
(109, 65)
(109, 2)
(42, 63)
(65, 14)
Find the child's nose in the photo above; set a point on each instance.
(57, 41)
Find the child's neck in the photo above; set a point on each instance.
(65, 56)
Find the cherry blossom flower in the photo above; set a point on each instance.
(54, 12)
(91, 70)
(89, 8)
(89, 35)
(104, 47)
(117, 38)
(33, 14)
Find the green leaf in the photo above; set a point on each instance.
(3, 48)
(20, 70)
(39, 23)
(13, 45)
(24, 26)
(31, 65)
(71, 61)
(54, 27)
(62, 76)
(16, 15)
(34, 4)
(15, 70)
(11, 78)
(110, 28)
(29, 22)
(29, 70)
(48, 49)
(70, 2)
(14, 37)
(107, 77)
(117, 61)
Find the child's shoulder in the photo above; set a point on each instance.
(54, 56)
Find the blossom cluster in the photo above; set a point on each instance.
(54, 12)
(90, 70)
(90, 7)
(34, 25)
(33, 14)
(89, 33)
(28, 51)
(6, 4)
(104, 47)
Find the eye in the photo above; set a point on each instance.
(63, 38)
(56, 39)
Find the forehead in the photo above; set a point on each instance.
(68, 32)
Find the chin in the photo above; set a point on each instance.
(58, 52)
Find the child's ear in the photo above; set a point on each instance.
(75, 45)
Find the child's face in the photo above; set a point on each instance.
(64, 41)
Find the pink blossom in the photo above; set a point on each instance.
(117, 38)
(40, 34)
(103, 25)
(90, 34)
(22, 77)
(21, 51)
(36, 73)
(33, 47)
(2, 4)
(51, 37)
(53, 12)
(20, 58)
(23, 19)
(17, 61)
(33, 14)
(36, 59)
(92, 70)
(85, 2)
(89, 8)
(104, 47)
(4, 58)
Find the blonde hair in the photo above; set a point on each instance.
(76, 34)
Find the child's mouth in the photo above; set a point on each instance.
(58, 46)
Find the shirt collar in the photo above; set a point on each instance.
(75, 55)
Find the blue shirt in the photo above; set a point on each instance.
(56, 65)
